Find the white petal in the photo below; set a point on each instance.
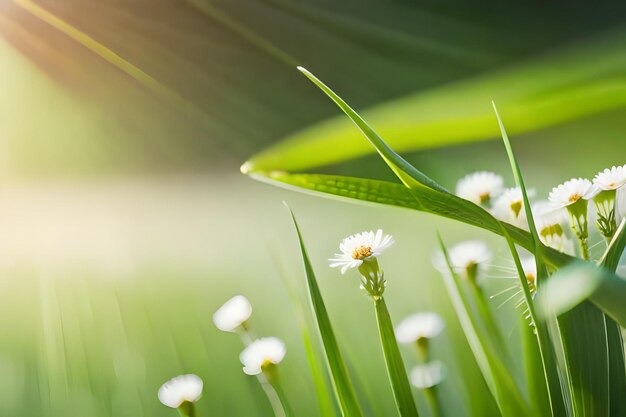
(180, 389)
(232, 314)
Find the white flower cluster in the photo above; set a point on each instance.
(551, 217)
(258, 355)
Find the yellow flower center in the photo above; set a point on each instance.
(516, 206)
(484, 197)
(574, 197)
(362, 252)
(531, 278)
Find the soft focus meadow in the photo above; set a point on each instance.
(126, 222)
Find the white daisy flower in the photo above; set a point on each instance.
(428, 375)
(480, 187)
(360, 247)
(550, 221)
(232, 314)
(611, 178)
(571, 192)
(184, 388)
(467, 259)
(509, 207)
(262, 353)
(419, 326)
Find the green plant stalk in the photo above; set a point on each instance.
(274, 397)
(282, 398)
(433, 402)
(393, 360)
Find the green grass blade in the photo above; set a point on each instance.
(342, 384)
(393, 360)
(407, 173)
(550, 376)
(519, 180)
(325, 401)
(424, 199)
(615, 250)
(507, 394)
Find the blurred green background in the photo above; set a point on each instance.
(125, 221)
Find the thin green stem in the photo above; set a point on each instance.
(433, 403)
(283, 398)
(584, 247)
(273, 397)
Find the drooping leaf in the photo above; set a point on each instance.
(342, 384)
(505, 391)
(393, 360)
(424, 199)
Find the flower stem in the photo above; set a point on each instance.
(584, 247)
(274, 396)
(431, 397)
(187, 409)
(283, 398)
(395, 365)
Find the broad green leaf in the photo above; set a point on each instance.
(507, 394)
(617, 368)
(584, 337)
(538, 393)
(342, 384)
(423, 199)
(550, 90)
(393, 360)
(583, 334)
(617, 362)
(579, 282)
